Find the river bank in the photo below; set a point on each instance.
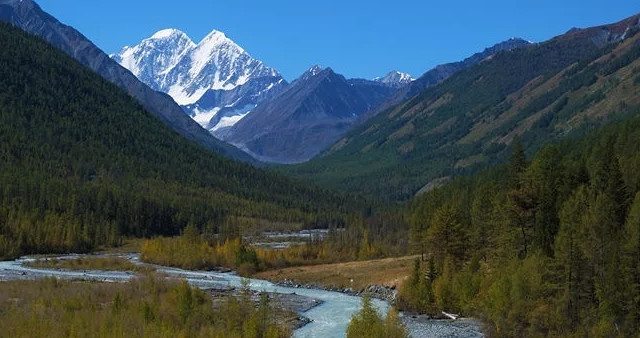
(330, 318)
(323, 313)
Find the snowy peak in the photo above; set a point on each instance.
(314, 70)
(168, 34)
(155, 55)
(170, 62)
(221, 64)
(311, 72)
(395, 79)
(217, 38)
(215, 75)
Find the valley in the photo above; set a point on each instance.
(182, 187)
(327, 312)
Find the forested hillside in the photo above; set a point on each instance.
(541, 93)
(82, 164)
(548, 246)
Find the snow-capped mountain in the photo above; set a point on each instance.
(215, 81)
(395, 79)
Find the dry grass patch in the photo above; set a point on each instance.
(387, 272)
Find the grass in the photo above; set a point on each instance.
(388, 272)
(143, 307)
(97, 263)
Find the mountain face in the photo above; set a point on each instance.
(28, 16)
(154, 57)
(216, 81)
(539, 93)
(307, 117)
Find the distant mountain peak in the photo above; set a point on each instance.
(395, 79)
(155, 56)
(307, 116)
(311, 72)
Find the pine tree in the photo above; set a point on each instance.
(366, 323)
(517, 164)
(568, 251)
(631, 267)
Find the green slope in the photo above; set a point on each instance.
(81, 164)
(540, 93)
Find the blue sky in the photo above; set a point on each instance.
(356, 38)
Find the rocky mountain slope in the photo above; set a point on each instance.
(307, 117)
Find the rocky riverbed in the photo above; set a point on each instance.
(381, 292)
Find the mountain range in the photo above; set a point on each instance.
(443, 72)
(538, 93)
(404, 134)
(242, 101)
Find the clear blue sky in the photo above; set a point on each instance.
(356, 38)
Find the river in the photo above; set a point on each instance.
(330, 319)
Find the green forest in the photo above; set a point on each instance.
(82, 165)
(543, 247)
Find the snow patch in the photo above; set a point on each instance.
(229, 121)
(203, 117)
